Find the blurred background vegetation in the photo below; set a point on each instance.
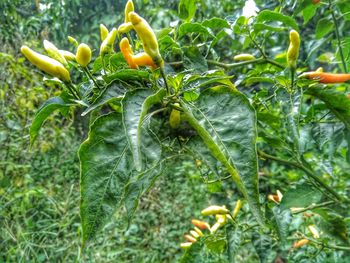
(39, 187)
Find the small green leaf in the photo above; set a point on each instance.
(323, 27)
(187, 9)
(45, 110)
(216, 23)
(197, 28)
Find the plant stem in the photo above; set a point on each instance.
(72, 90)
(308, 172)
(243, 63)
(338, 36)
(164, 78)
(313, 206)
(89, 75)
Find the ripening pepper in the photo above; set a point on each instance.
(200, 224)
(314, 231)
(293, 49)
(143, 59)
(214, 210)
(190, 238)
(103, 32)
(107, 44)
(73, 41)
(53, 52)
(46, 64)
(325, 77)
(127, 52)
(147, 36)
(83, 55)
(300, 243)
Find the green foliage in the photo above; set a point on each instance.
(247, 129)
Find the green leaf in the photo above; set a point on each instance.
(263, 246)
(187, 9)
(128, 75)
(282, 220)
(226, 122)
(335, 100)
(301, 196)
(136, 104)
(309, 12)
(323, 27)
(194, 60)
(197, 28)
(45, 110)
(111, 93)
(234, 238)
(105, 167)
(267, 15)
(216, 23)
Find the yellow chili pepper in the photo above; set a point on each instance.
(293, 50)
(107, 44)
(69, 56)
(186, 245)
(237, 208)
(83, 55)
(73, 41)
(129, 7)
(147, 36)
(199, 232)
(103, 32)
(125, 28)
(47, 64)
(243, 57)
(53, 52)
(214, 210)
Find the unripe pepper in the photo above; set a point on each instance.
(214, 210)
(186, 245)
(83, 55)
(190, 238)
(47, 64)
(293, 50)
(243, 57)
(107, 44)
(175, 117)
(194, 233)
(103, 32)
(73, 41)
(324, 77)
(127, 52)
(53, 52)
(200, 224)
(69, 56)
(147, 36)
(237, 208)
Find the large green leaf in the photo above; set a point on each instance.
(226, 122)
(45, 110)
(136, 104)
(105, 169)
(187, 9)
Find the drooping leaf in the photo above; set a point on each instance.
(272, 16)
(226, 122)
(335, 100)
(136, 104)
(106, 163)
(301, 196)
(43, 113)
